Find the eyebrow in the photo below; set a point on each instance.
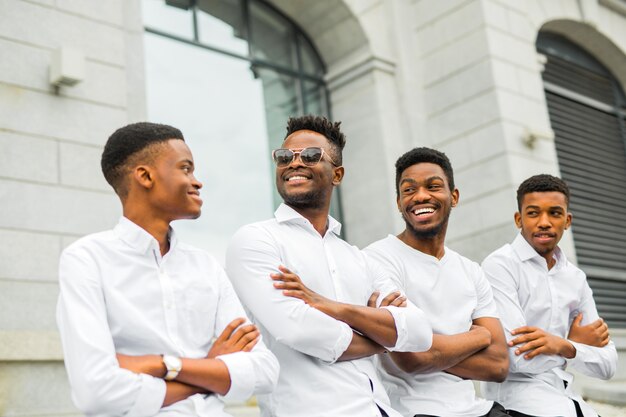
(550, 208)
(429, 179)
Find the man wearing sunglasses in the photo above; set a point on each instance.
(308, 290)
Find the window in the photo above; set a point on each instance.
(229, 73)
(588, 115)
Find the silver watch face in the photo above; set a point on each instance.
(172, 363)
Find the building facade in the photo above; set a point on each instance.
(505, 88)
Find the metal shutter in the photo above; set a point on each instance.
(590, 144)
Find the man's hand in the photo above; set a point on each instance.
(593, 334)
(292, 286)
(230, 341)
(394, 299)
(143, 364)
(536, 341)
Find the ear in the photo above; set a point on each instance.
(455, 197)
(143, 176)
(568, 220)
(518, 219)
(338, 175)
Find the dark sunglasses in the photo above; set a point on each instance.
(309, 156)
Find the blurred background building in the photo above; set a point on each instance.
(506, 88)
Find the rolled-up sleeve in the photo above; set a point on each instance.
(251, 257)
(414, 332)
(99, 385)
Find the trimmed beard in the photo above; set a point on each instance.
(425, 234)
(310, 199)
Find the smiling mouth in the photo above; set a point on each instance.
(424, 211)
(544, 236)
(297, 178)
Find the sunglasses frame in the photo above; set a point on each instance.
(298, 153)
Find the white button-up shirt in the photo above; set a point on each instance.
(452, 291)
(306, 341)
(528, 293)
(118, 295)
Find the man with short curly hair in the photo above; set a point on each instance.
(547, 310)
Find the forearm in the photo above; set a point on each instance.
(489, 364)
(446, 352)
(361, 347)
(208, 374)
(376, 324)
(177, 391)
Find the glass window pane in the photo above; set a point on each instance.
(315, 99)
(201, 92)
(220, 24)
(158, 15)
(310, 62)
(272, 37)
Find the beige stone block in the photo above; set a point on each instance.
(480, 244)
(29, 256)
(80, 167)
(523, 110)
(511, 49)
(55, 28)
(479, 145)
(425, 11)
(109, 11)
(28, 158)
(28, 306)
(57, 117)
(505, 75)
(35, 389)
(483, 177)
(496, 15)
(51, 209)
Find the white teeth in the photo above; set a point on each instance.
(296, 177)
(424, 210)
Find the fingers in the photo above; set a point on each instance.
(523, 329)
(577, 320)
(282, 285)
(524, 338)
(246, 339)
(391, 298)
(399, 302)
(371, 302)
(534, 344)
(251, 345)
(535, 352)
(229, 329)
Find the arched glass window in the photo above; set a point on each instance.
(588, 115)
(229, 73)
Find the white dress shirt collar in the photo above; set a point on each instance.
(286, 214)
(138, 238)
(525, 252)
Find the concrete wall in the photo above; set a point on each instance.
(51, 187)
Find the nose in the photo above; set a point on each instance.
(544, 221)
(195, 183)
(421, 194)
(296, 161)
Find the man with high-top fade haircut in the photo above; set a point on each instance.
(547, 310)
(468, 341)
(149, 325)
(307, 289)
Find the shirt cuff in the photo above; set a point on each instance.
(342, 343)
(420, 336)
(582, 351)
(242, 376)
(150, 398)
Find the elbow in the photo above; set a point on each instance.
(499, 371)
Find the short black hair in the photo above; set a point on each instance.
(542, 183)
(323, 126)
(127, 142)
(421, 155)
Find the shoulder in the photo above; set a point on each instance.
(383, 250)
(90, 243)
(505, 255)
(258, 229)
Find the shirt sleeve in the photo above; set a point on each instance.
(590, 360)
(254, 372)
(505, 293)
(486, 305)
(414, 332)
(251, 257)
(99, 385)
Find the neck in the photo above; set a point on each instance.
(433, 246)
(317, 216)
(549, 257)
(157, 227)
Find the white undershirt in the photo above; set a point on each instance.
(452, 292)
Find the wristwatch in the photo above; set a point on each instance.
(173, 366)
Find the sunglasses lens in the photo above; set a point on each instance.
(283, 157)
(311, 156)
